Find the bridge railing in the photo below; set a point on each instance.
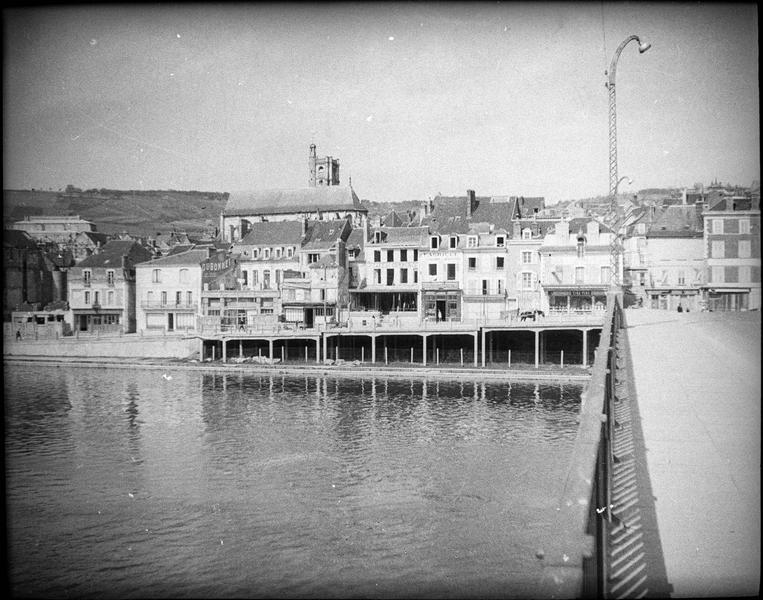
(576, 559)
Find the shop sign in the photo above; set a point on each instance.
(581, 292)
(217, 265)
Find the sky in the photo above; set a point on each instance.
(413, 99)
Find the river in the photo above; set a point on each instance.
(140, 483)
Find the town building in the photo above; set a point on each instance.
(732, 251)
(523, 290)
(102, 288)
(55, 229)
(27, 277)
(674, 259)
(575, 266)
(169, 290)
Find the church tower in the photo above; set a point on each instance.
(323, 170)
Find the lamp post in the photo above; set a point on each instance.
(613, 180)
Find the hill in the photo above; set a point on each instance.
(139, 212)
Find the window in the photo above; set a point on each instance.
(718, 248)
(500, 241)
(527, 281)
(267, 252)
(377, 276)
(433, 269)
(156, 276)
(500, 286)
(314, 258)
(377, 255)
(183, 275)
(744, 226)
(377, 237)
(434, 242)
(453, 241)
(255, 253)
(527, 257)
(390, 256)
(744, 274)
(605, 274)
(189, 298)
(279, 252)
(731, 274)
(415, 276)
(245, 278)
(681, 278)
(150, 298)
(471, 241)
(527, 234)
(716, 275)
(322, 294)
(499, 262)
(403, 255)
(390, 276)
(178, 298)
(744, 249)
(110, 277)
(403, 275)
(472, 263)
(579, 274)
(255, 275)
(86, 277)
(581, 247)
(87, 297)
(96, 297)
(110, 299)
(717, 225)
(415, 255)
(266, 279)
(485, 287)
(451, 271)
(164, 298)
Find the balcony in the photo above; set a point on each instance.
(170, 306)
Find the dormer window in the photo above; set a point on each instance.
(581, 245)
(86, 277)
(289, 252)
(471, 241)
(500, 241)
(527, 234)
(255, 253)
(377, 237)
(434, 242)
(267, 252)
(454, 241)
(278, 252)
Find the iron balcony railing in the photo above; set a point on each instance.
(169, 305)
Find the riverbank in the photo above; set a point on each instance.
(397, 371)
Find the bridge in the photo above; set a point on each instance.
(662, 495)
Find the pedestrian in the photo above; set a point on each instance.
(18, 334)
(680, 308)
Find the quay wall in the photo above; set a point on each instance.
(115, 347)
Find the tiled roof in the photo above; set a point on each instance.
(450, 214)
(111, 254)
(95, 237)
(538, 227)
(411, 236)
(682, 220)
(523, 207)
(16, 238)
(311, 199)
(271, 233)
(190, 257)
(324, 234)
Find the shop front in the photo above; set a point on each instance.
(671, 299)
(442, 304)
(727, 299)
(576, 300)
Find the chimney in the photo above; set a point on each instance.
(210, 250)
(516, 230)
(124, 262)
(304, 225)
(470, 205)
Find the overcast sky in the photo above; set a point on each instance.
(413, 99)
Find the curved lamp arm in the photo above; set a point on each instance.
(613, 65)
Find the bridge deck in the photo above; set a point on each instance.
(697, 380)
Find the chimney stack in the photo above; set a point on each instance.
(470, 205)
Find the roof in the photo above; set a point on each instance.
(271, 233)
(681, 220)
(311, 199)
(192, 257)
(95, 236)
(449, 214)
(324, 234)
(111, 254)
(523, 207)
(412, 236)
(17, 238)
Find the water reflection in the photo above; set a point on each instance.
(124, 483)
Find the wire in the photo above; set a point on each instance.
(603, 38)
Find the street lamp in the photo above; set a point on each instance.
(613, 180)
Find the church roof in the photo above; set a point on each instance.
(311, 199)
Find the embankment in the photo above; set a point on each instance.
(128, 346)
